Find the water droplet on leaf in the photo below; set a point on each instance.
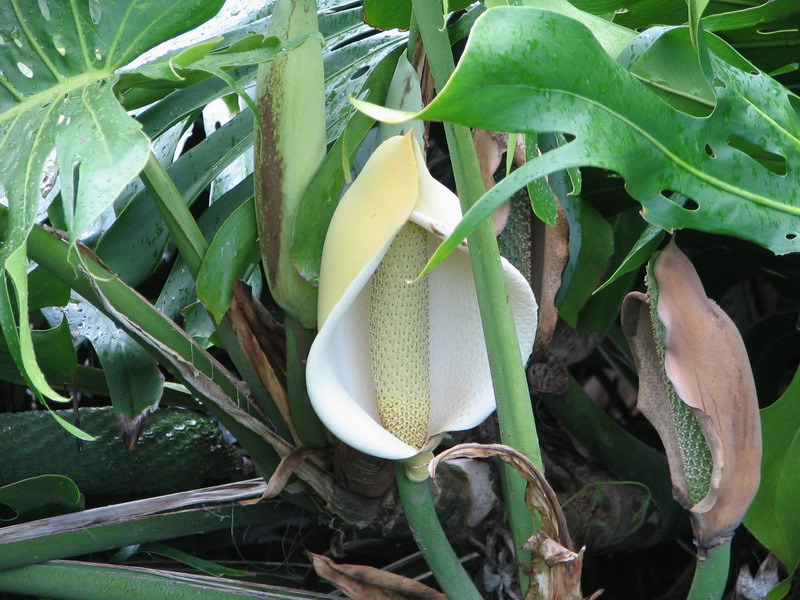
(95, 12)
(25, 70)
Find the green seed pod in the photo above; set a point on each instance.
(290, 145)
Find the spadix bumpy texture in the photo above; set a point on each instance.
(399, 339)
(396, 363)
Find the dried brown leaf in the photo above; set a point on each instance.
(242, 314)
(360, 582)
(282, 473)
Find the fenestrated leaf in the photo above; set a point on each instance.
(57, 71)
(773, 517)
(512, 77)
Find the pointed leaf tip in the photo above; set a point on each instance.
(381, 113)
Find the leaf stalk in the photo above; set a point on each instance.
(514, 409)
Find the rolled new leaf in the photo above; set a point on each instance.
(696, 388)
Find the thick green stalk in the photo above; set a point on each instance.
(431, 539)
(305, 420)
(711, 575)
(514, 410)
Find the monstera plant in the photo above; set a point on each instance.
(292, 270)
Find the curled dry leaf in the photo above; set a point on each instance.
(282, 473)
(360, 582)
(696, 388)
(556, 567)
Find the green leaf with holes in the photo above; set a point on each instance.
(738, 165)
(58, 63)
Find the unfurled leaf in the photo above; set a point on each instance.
(57, 96)
(733, 163)
(230, 252)
(134, 380)
(37, 498)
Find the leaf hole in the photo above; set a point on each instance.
(791, 236)
(769, 160)
(710, 151)
(691, 205)
(718, 83)
(76, 178)
(795, 102)
(360, 72)
(95, 12)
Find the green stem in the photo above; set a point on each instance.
(169, 201)
(514, 409)
(304, 418)
(431, 539)
(711, 575)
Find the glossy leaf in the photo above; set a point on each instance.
(773, 516)
(391, 14)
(750, 16)
(134, 245)
(56, 94)
(388, 15)
(512, 77)
(231, 251)
(134, 381)
(179, 289)
(54, 348)
(74, 110)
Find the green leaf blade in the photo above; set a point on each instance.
(513, 77)
(773, 516)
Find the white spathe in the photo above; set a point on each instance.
(393, 188)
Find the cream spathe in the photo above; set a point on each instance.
(395, 189)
